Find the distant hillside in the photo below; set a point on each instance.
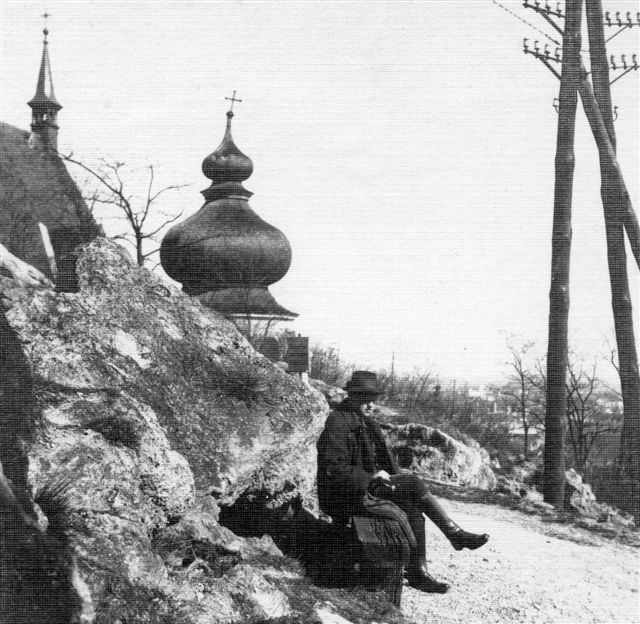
(36, 187)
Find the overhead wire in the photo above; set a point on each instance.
(524, 21)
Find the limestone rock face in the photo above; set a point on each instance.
(577, 495)
(138, 349)
(37, 568)
(152, 410)
(427, 450)
(132, 469)
(517, 488)
(332, 394)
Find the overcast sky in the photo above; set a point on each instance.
(406, 149)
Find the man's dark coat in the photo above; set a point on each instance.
(350, 450)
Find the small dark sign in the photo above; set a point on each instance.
(297, 356)
(270, 348)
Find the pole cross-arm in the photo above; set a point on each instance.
(599, 111)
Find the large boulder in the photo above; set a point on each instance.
(152, 411)
(132, 349)
(429, 451)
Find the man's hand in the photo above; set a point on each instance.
(382, 474)
(381, 485)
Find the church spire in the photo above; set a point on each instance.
(44, 106)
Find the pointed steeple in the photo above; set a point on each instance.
(44, 105)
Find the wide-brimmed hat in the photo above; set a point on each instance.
(364, 382)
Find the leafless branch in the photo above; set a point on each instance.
(135, 211)
(150, 234)
(150, 253)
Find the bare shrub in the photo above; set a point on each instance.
(409, 390)
(609, 487)
(55, 499)
(328, 366)
(244, 380)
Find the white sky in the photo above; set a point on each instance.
(406, 149)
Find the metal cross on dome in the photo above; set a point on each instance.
(233, 100)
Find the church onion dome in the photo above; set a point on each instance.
(227, 163)
(225, 254)
(45, 96)
(225, 245)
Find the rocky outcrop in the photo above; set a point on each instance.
(152, 411)
(431, 452)
(129, 348)
(37, 567)
(524, 485)
(332, 394)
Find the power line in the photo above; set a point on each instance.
(524, 21)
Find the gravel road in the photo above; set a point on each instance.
(531, 571)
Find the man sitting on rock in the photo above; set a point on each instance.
(355, 467)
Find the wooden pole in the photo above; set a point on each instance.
(554, 466)
(617, 194)
(618, 213)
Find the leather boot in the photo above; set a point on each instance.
(462, 539)
(417, 573)
(458, 537)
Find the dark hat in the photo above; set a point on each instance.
(363, 381)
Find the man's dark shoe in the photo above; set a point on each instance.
(462, 539)
(426, 583)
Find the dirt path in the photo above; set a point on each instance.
(531, 571)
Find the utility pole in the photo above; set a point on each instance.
(618, 214)
(618, 209)
(554, 467)
(602, 93)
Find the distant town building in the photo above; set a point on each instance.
(35, 186)
(225, 254)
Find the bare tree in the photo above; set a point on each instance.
(328, 366)
(585, 417)
(524, 390)
(411, 391)
(612, 358)
(112, 191)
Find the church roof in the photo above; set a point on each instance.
(35, 186)
(244, 302)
